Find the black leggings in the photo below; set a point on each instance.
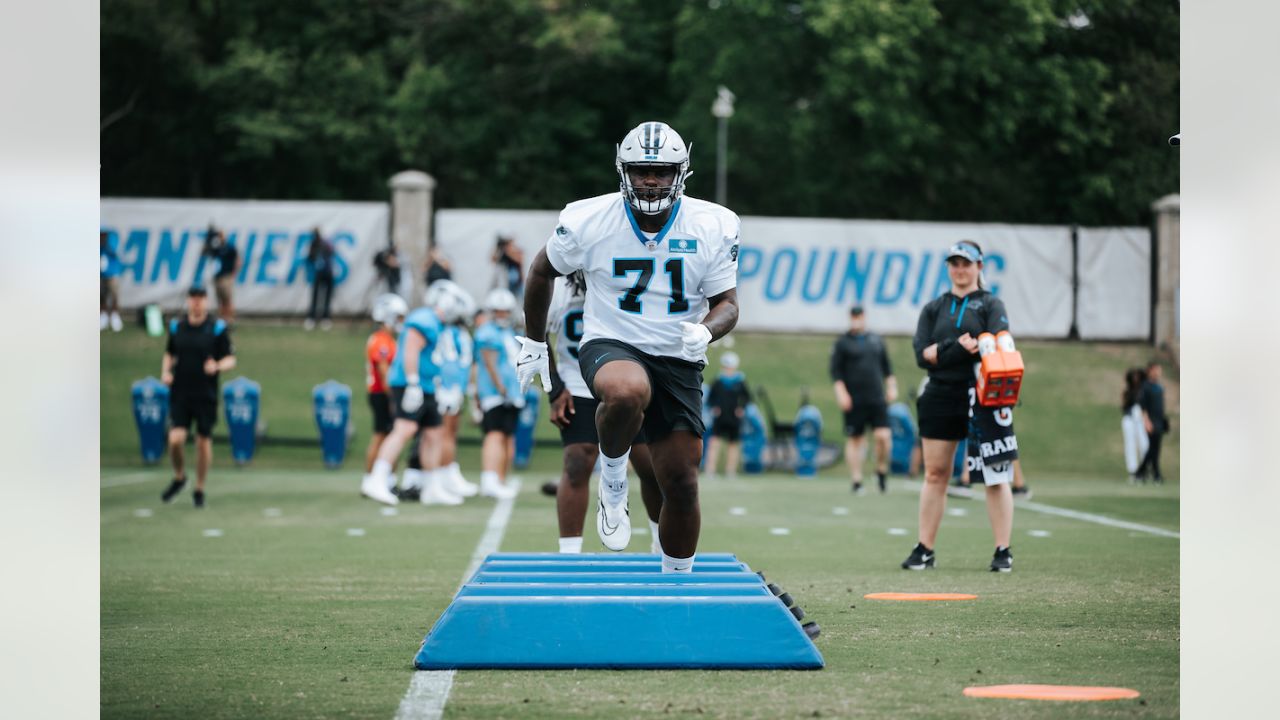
(322, 287)
(1152, 460)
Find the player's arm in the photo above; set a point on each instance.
(166, 368)
(413, 346)
(723, 315)
(890, 382)
(843, 399)
(537, 296)
(380, 369)
(489, 357)
(223, 355)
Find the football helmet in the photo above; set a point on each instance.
(500, 300)
(389, 308)
(451, 303)
(648, 144)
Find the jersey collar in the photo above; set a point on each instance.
(657, 240)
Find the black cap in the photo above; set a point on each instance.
(856, 310)
(197, 291)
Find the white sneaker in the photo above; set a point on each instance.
(613, 523)
(411, 479)
(102, 321)
(434, 493)
(371, 488)
(116, 323)
(498, 491)
(308, 324)
(458, 485)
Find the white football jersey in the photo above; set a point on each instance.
(641, 286)
(565, 321)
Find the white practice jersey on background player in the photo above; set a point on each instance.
(640, 287)
(565, 320)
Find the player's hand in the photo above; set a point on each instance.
(533, 361)
(930, 354)
(210, 366)
(968, 342)
(449, 400)
(166, 378)
(562, 410)
(696, 337)
(412, 400)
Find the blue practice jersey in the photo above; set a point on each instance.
(453, 357)
(424, 322)
(501, 340)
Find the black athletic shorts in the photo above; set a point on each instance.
(185, 408)
(874, 414)
(728, 428)
(676, 384)
(428, 416)
(944, 411)
(582, 424)
(503, 419)
(380, 404)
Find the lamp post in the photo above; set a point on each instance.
(722, 109)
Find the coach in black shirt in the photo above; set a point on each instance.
(864, 387)
(199, 348)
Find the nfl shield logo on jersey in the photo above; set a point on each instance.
(683, 245)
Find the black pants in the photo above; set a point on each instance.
(1152, 460)
(321, 294)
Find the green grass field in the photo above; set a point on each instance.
(286, 614)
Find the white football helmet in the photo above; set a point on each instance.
(653, 143)
(500, 299)
(389, 308)
(451, 303)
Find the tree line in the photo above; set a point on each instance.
(1046, 111)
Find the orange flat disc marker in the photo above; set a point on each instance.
(1051, 692)
(917, 597)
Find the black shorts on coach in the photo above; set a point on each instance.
(502, 418)
(943, 410)
(676, 383)
(428, 416)
(727, 428)
(185, 408)
(863, 414)
(582, 424)
(380, 404)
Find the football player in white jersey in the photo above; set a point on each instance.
(662, 275)
(573, 410)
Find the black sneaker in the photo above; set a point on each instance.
(1023, 492)
(1002, 561)
(857, 488)
(408, 494)
(175, 486)
(883, 481)
(197, 497)
(921, 558)
(549, 488)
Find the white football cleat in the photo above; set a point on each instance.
(498, 491)
(613, 523)
(371, 488)
(116, 323)
(458, 485)
(435, 493)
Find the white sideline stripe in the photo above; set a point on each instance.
(1077, 515)
(429, 689)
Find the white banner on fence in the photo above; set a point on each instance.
(803, 274)
(160, 243)
(1114, 300)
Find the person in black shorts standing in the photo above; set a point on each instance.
(946, 345)
(199, 348)
(728, 399)
(864, 386)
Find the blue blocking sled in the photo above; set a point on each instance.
(545, 610)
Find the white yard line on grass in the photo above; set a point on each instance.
(429, 689)
(1077, 515)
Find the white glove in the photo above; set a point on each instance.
(696, 337)
(449, 400)
(533, 361)
(412, 400)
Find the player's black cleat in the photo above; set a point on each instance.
(175, 486)
(921, 558)
(882, 480)
(1023, 492)
(197, 497)
(857, 488)
(1002, 561)
(550, 487)
(410, 494)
